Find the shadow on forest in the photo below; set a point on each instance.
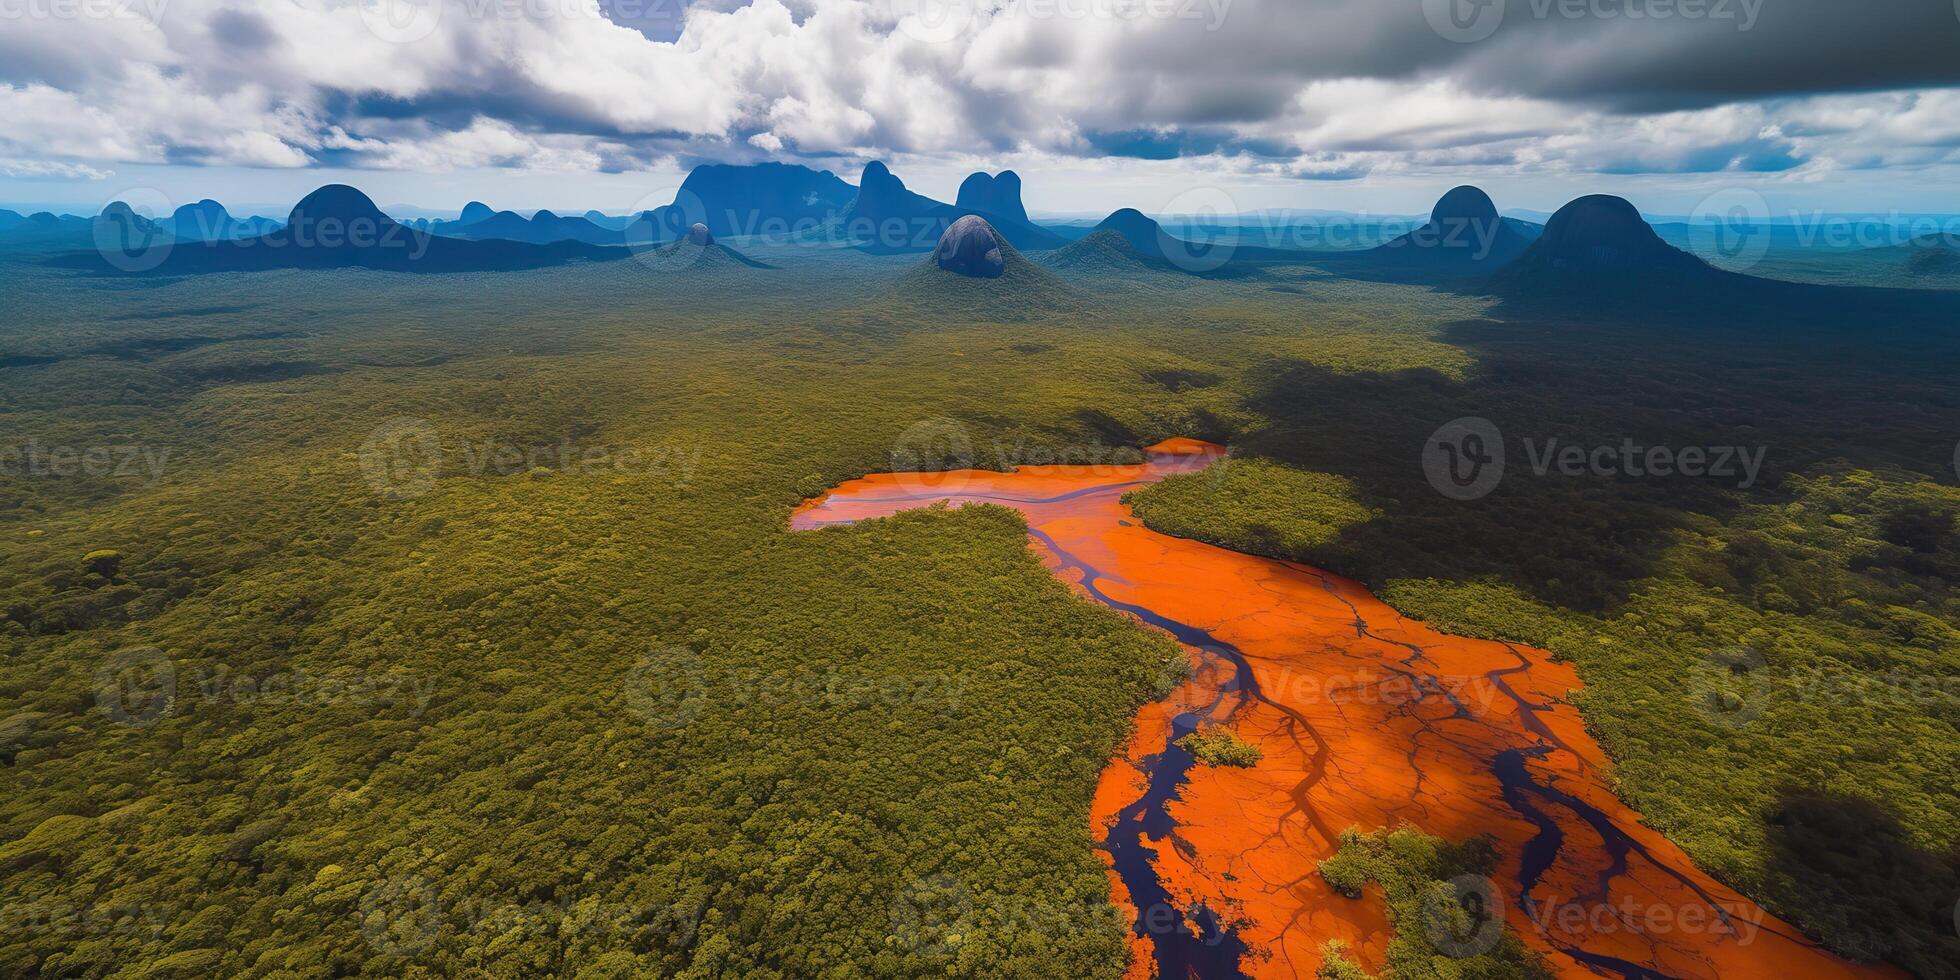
(1797, 398)
(1892, 901)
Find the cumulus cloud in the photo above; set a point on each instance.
(1322, 89)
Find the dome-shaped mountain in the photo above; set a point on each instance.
(1462, 204)
(971, 247)
(1142, 231)
(1464, 239)
(1148, 242)
(475, 211)
(699, 234)
(199, 220)
(1605, 235)
(337, 203)
(208, 221)
(120, 212)
(974, 274)
(1598, 253)
(997, 196)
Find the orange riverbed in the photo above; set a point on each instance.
(1366, 719)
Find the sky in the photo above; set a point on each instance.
(1170, 106)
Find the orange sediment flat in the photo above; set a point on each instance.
(1366, 719)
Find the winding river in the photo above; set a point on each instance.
(1366, 719)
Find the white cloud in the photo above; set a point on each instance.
(1343, 86)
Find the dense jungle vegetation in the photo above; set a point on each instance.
(1445, 929)
(453, 625)
(1761, 661)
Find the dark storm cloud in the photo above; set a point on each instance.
(1627, 55)
(1791, 48)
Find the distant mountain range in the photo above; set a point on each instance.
(1598, 258)
(207, 220)
(781, 202)
(479, 223)
(335, 227)
(1596, 246)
